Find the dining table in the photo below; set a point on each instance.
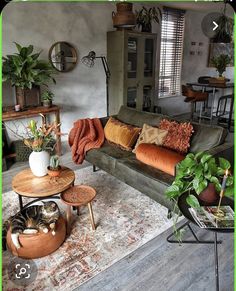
(214, 87)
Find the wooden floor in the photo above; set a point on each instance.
(159, 265)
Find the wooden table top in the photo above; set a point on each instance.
(213, 85)
(78, 195)
(26, 184)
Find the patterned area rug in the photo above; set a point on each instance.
(126, 219)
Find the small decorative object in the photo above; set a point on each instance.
(192, 53)
(17, 107)
(124, 18)
(63, 56)
(47, 98)
(25, 71)
(200, 43)
(220, 62)
(38, 139)
(193, 43)
(54, 168)
(145, 17)
(219, 214)
(196, 174)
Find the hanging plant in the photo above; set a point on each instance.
(145, 17)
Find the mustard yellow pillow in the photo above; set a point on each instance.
(121, 134)
(150, 134)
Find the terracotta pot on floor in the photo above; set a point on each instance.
(209, 194)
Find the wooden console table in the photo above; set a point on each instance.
(11, 114)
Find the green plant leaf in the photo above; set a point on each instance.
(229, 191)
(201, 186)
(198, 155)
(172, 191)
(214, 180)
(224, 164)
(192, 201)
(18, 46)
(205, 158)
(229, 181)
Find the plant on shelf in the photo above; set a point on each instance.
(54, 168)
(24, 70)
(220, 63)
(145, 16)
(199, 175)
(47, 98)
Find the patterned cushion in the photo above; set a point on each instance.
(121, 134)
(158, 157)
(150, 134)
(179, 134)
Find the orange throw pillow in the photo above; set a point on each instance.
(158, 157)
(178, 137)
(121, 134)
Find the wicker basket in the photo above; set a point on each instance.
(23, 152)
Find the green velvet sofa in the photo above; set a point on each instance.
(148, 180)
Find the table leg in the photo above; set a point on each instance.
(212, 103)
(68, 219)
(20, 202)
(230, 112)
(91, 216)
(58, 138)
(216, 263)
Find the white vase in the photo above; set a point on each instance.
(39, 161)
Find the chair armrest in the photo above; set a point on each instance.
(225, 150)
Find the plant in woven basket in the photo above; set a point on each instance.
(24, 70)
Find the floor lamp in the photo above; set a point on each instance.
(89, 61)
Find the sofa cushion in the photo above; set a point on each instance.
(206, 137)
(158, 157)
(152, 135)
(121, 134)
(178, 137)
(138, 118)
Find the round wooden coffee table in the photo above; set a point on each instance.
(25, 184)
(77, 196)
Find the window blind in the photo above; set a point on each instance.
(172, 34)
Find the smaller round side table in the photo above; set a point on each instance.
(77, 196)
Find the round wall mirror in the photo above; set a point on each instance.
(63, 56)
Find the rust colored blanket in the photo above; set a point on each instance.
(86, 134)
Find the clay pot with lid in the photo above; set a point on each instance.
(124, 17)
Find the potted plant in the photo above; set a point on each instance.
(54, 168)
(47, 98)
(224, 30)
(24, 70)
(220, 63)
(145, 17)
(201, 175)
(38, 139)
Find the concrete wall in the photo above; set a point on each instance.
(81, 93)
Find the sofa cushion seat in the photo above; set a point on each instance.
(106, 156)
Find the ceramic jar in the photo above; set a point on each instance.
(39, 161)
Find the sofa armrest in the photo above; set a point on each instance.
(105, 119)
(225, 150)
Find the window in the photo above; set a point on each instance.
(172, 34)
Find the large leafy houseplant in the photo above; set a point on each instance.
(195, 172)
(220, 63)
(193, 175)
(145, 17)
(24, 70)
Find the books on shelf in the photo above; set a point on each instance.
(205, 218)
